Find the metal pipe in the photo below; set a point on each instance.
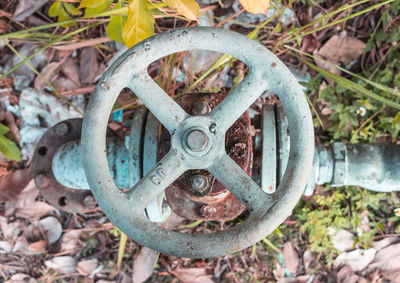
(68, 169)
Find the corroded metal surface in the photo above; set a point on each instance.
(266, 212)
(221, 204)
(61, 197)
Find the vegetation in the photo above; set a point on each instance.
(355, 102)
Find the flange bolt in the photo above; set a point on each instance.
(201, 108)
(197, 140)
(89, 202)
(42, 181)
(62, 129)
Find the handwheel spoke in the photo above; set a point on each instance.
(240, 184)
(167, 111)
(239, 100)
(166, 171)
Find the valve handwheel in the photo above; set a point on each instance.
(197, 142)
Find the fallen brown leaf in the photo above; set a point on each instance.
(290, 257)
(88, 65)
(192, 275)
(70, 69)
(12, 183)
(378, 245)
(38, 247)
(52, 228)
(21, 278)
(357, 259)
(388, 259)
(143, 265)
(26, 206)
(62, 264)
(49, 72)
(86, 267)
(342, 49)
(343, 241)
(70, 241)
(347, 275)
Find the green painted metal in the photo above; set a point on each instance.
(266, 212)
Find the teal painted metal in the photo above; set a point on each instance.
(266, 212)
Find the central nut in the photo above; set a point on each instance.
(197, 140)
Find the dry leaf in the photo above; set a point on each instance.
(26, 206)
(308, 260)
(88, 65)
(388, 259)
(378, 245)
(86, 267)
(70, 69)
(11, 230)
(393, 276)
(290, 257)
(278, 271)
(343, 241)
(192, 275)
(347, 275)
(62, 264)
(11, 184)
(52, 228)
(5, 247)
(49, 72)
(70, 241)
(25, 8)
(357, 259)
(255, 6)
(342, 49)
(37, 247)
(188, 8)
(143, 265)
(21, 278)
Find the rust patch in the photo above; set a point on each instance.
(220, 203)
(59, 196)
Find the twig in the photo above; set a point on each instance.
(230, 18)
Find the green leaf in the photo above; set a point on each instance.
(188, 8)
(54, 9)
(114, 27)
(72, 9)
(9, 149)
(90, 3)
(3, 129)
(91, 11)
(64, 16)
(139, 25)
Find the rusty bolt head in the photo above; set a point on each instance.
(89, 202)
(199, 183)
(197, 140)
(201, 108)
(42, 181)
(207, 211)
(62, 129)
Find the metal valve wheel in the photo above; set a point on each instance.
(198, 142)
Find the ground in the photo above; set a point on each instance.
(346, 54)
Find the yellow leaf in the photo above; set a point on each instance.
(92, 11)
(255, 6)
(140, 23)
(64, 16)
(114, 27)
(72, 9)
(90, 3)
(54, 9)
(188, 8)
